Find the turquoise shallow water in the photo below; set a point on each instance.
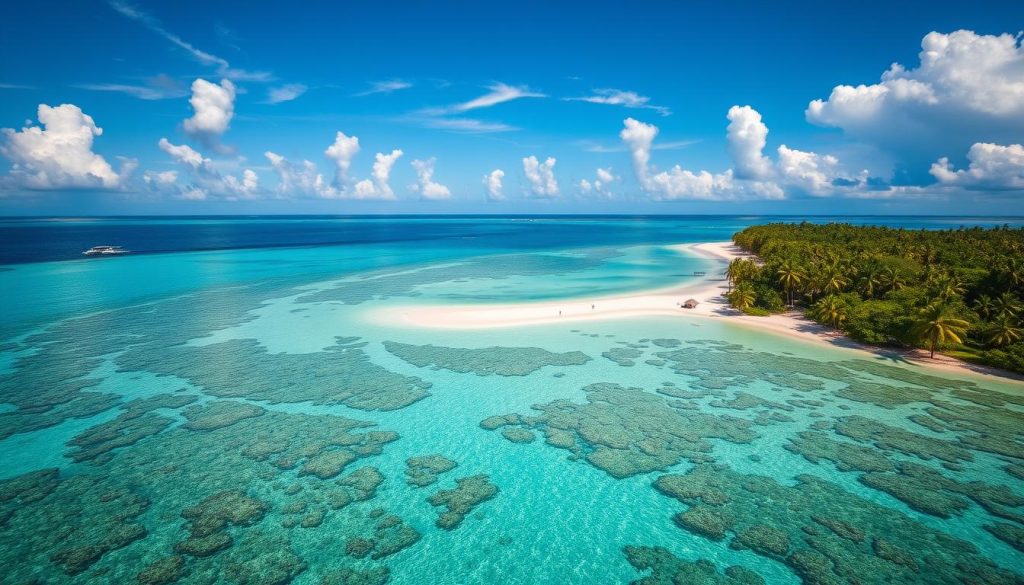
(233, 416)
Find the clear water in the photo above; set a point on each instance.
(717, 451)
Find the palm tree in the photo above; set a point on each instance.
(1013, 273)
(984, 306)
(790, 277)
(733, 271)
(813, 284)
(870, 282)
(948, 288)
(834, 281)
(743, 296)
(1004, 332)
(831, 310)
(892, 279)
(1007, 305)
(937, 326)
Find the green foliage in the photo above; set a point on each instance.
(1010, 357)
(743, 296)
(955, 289)
(768, 298)
(879, 322)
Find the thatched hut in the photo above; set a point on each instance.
(690, 304)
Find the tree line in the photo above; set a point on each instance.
(957, 291)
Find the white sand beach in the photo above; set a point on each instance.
(708, 292)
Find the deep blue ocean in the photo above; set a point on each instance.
(64, 238)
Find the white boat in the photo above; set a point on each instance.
(105, 251)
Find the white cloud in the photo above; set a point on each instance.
(344, 149)
(59, 154)
(811, 172)
(159, 87)
(206, 182)
(213, 106)
(601, 184)
(679, 183)
(466, 125)
(618, 97)
(160, 179)
(747, 135)
(541, 176)
(224, 68)
(385, 87)
(591, 146)
(992, 167)
(967, 88)
(492, 181)
(378, 187)
(425, 180)
(285, 93)
(301, 178)
(499, 93)
(638, 138)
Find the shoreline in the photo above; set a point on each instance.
(707, 291)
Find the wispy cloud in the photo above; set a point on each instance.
(389, 86)
(591, 146)
(15, 86)
(154, 88)
(285, 93)
(223, 67)
(499, 93)
(618, 97)
(466, 125)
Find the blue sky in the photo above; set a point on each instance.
(645, 107)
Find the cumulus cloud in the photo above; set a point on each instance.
(304, 179)
(377, 187)
(492, 181)
(425, 184)
(300, 179)
(967, 88)
(541, 176)
(812, 172)
(205, 181)
(679, 183)
(160, 180)
(285, 93)
(618, 97)
(59, 154)
(344, 149)
(213, 107)
(638, 138)
(747, 136)
(992, 167)
(600, 185)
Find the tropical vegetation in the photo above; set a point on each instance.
(957, 291)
